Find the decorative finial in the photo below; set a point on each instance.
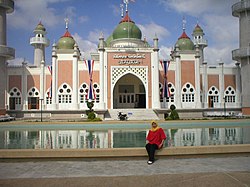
(184, 24)
(101, 35)
(122, 6)
(126, 4)
(66, 23)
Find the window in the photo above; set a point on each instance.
(213, 96)
(171, 93)
(65, 94)
(229, 95)
(188, 93)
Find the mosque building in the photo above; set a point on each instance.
(125, 74)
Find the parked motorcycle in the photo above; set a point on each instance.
(122, 116)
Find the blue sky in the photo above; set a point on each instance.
(87, 19)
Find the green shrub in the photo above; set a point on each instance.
(174, 115)
(91, 115)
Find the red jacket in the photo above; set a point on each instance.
(156, 137)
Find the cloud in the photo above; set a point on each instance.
(152, 29)
(220, 27)
(85, 46)
(164, 52)
(198, 7)
(28, 13)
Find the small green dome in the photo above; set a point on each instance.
(198, 30)
(40, 28)
(66, 41)
(127, 29)
(185, 43)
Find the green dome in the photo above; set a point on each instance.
(66, 41)
(185, 43)
(40, 28)
(198, 30)
(109, 39)
(127, 29)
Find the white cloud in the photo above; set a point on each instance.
(85, 46)
(152, 29)
(220, 27)
(198, 7)
(83, 19)
(164, 52)
(28, 13)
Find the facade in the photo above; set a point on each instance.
(124, 73)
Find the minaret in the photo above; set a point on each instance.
(242, 55)
(39, 42)
(198, 39)
(6, 53)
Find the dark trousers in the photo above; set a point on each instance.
(151, 151)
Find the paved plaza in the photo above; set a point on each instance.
(167, 171)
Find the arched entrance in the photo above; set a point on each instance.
(129, 92)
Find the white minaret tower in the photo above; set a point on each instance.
(242, 54)
(39, 42)
(6, 53)
(198, 39)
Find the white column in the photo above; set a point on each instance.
(238, 85)
(204, 85)
(54, 78)
(178, 78)
(101, 71)
(24, 87)
(42, 83)
(155, 92)
(197, 79)
(221, 84)
(75, 79)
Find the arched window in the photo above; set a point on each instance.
(229, 94)
(33, 98)
(188, 92)
(96, 90)
(213, 96)
(49, 96)
(83, 92)
(171, 92)
(15, 98)
(64, 94)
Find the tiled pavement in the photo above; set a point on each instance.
(199, 171)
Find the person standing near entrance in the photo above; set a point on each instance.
(155, 140)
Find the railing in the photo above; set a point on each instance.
(240, 53)
(8, 4)
(37, 40)
(7, 52)
(200, 41)
(240, 6)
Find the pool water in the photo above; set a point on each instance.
(73, 136)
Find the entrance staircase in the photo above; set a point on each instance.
(133, 114)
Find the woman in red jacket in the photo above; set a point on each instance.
(155, 140)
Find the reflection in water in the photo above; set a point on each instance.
(83, 139)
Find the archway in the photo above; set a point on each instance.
(129, 92)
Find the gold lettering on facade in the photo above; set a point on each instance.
(129, 59)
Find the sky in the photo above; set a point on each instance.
(89, 18)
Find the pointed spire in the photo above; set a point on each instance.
(184, 24)
(121, 6)
(66, 23)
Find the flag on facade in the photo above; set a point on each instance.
(50, 89)
(165, 66)
(90, 67)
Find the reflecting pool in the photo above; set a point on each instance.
(38, 137)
